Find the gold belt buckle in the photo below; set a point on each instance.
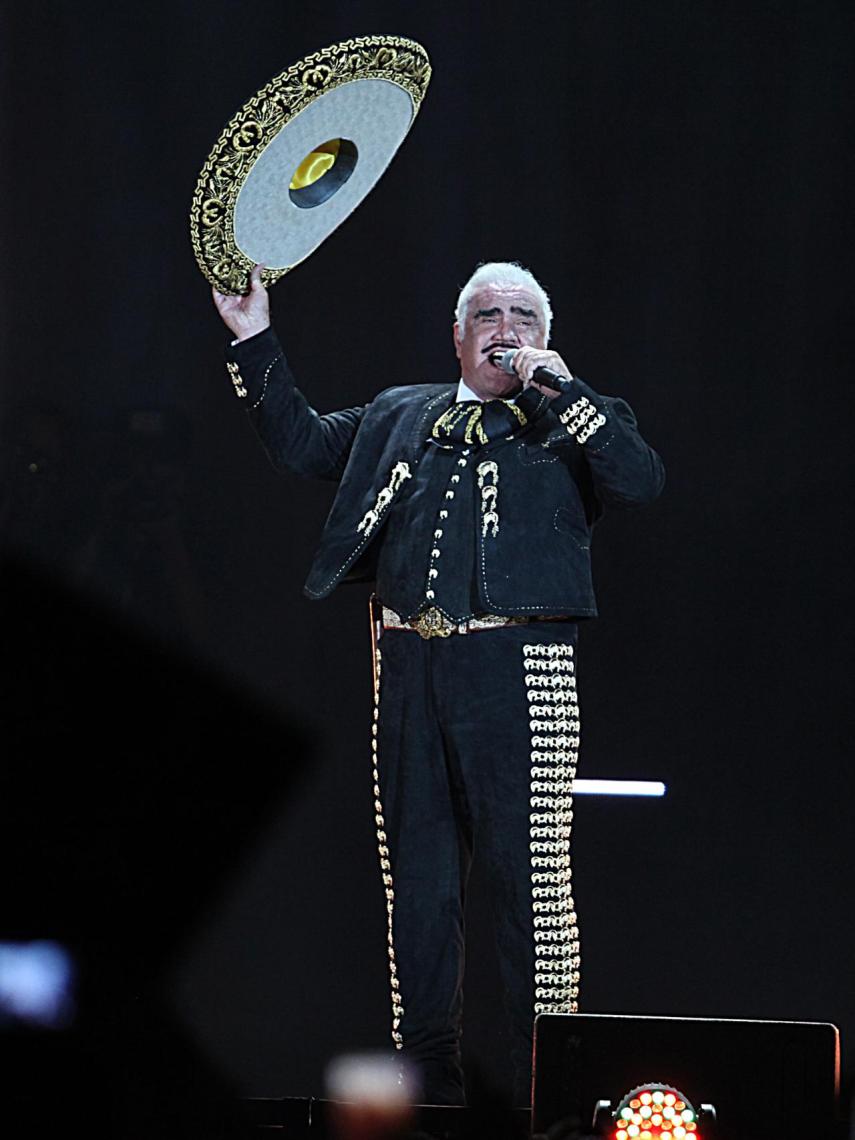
(432, 623)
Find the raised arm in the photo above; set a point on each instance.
(294, 435)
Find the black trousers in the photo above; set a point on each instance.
(475, 742)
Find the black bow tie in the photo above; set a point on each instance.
(471, 423)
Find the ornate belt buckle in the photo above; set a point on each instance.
(432, 623)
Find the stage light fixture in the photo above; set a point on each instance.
(653, 1112)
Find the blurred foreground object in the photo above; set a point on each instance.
(120, 829)
(36, 984)
(373, 1095)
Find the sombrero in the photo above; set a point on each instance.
(301, 155)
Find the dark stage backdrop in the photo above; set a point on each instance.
(678, 175)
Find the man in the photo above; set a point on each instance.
(472, 506)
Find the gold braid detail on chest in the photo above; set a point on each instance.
(469, 418)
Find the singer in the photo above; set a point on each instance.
(471, 505)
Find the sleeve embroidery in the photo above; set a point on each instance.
(266, 378)
(582, 419)
(236, 379)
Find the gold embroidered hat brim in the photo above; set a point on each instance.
(300, 156)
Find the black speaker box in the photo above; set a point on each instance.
(764, 1078)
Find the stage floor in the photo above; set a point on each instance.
(293, 1118)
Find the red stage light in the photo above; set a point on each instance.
(654, 1111)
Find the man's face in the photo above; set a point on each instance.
(498, 317)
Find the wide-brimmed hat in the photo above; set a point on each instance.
(301, 155)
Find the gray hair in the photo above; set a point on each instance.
(503, 273)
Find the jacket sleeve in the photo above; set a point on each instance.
(625, 471)
(295, 437)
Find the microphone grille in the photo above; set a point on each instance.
(505, 360)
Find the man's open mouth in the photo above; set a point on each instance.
(494, 352)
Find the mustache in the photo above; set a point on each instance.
(496, 344)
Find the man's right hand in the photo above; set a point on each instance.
(248, 315)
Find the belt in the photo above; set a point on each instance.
(433, 622)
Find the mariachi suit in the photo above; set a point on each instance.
(476, 731)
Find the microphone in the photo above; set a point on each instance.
(543, 376)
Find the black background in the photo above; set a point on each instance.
(677, 175)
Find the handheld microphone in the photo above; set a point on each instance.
(544, 376)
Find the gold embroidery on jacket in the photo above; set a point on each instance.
(488, 484)
(582, 420)
(236, 379)
(400, 472)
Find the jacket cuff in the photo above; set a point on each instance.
(582, 412)
(249, 363)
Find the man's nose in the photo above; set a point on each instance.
(508, 329)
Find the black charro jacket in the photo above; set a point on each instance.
(551, 489)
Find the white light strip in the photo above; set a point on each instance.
(618, 788)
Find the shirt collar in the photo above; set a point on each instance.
(465, 393)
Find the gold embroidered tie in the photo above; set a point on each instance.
(471, 422)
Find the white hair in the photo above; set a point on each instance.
(503, 273)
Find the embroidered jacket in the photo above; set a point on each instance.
(533, 498)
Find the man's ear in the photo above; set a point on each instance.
(457, 338)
